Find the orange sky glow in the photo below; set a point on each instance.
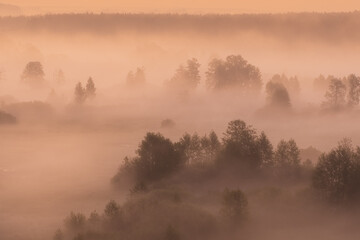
(190, 6)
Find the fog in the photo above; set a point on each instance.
(63, 144)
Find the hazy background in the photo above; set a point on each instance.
(50, 166)
(186, 6)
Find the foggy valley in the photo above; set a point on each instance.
(179, 126)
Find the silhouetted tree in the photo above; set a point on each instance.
(186, 77)
(287, 159)
(191, 146)
(157, 157)
(335, 96)
(337, 174)
(277, 95)
(266, 151)
(33, 74)
(241, 147)
(233, 72)
(211, 146)
(234, 206)
(353, 96)
(199, 150)
(80, 93)
(90, 90)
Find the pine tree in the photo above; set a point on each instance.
(90, 89)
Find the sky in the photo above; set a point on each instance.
(201, 6)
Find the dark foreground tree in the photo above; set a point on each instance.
(287, 159)
(337, 174)
(157, 157)
(199, 150)
(234, 72)
(243, 148)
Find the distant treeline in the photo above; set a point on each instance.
(325, 26)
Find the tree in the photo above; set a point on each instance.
(240, 146)
(291, 84)
(337, 174)
(186, 77)
(199, 150)
(33, 74)
(191, 146)
(211, 146)
(157, 158)
(90, 90)
(80, 93)
(277, 95)
(354, 90)
(234, 206)
(137, 79)
(266, 151)
(75, 222)
(335, 96)
(287, 158)
(112, 210)
(236, 72)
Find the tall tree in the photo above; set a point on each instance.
(335, 96)
(287, 158)
(90, 89)
(80, 93)
(354, 90)
(240, 147)
(136, 79)
(186, 77)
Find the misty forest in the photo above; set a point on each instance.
(179, 126)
